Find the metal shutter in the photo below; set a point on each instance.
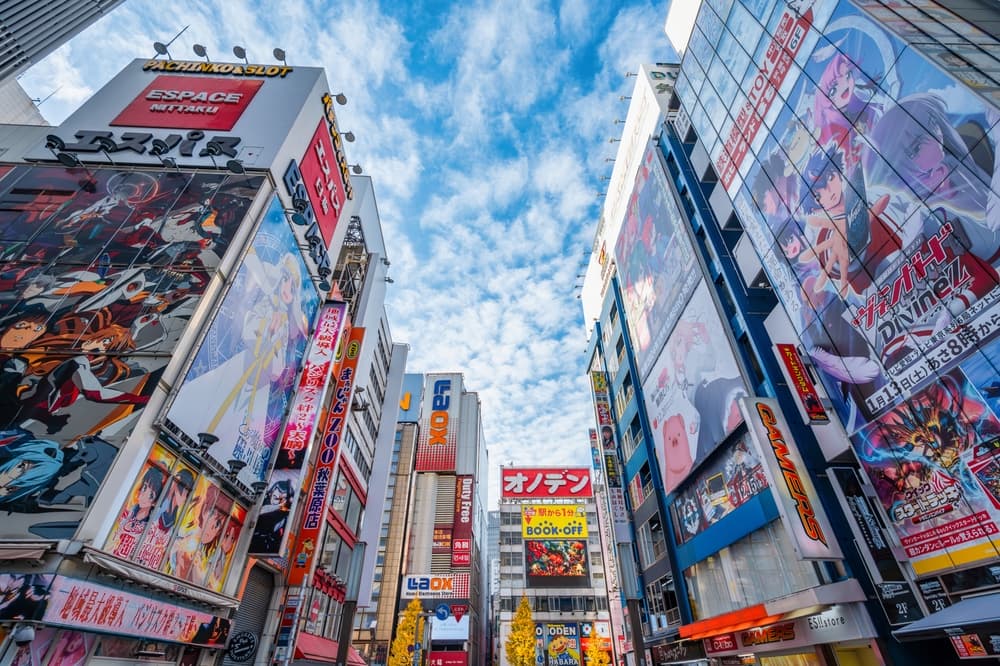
(252, 613)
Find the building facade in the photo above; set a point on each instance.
(550, 552)
(173, 292)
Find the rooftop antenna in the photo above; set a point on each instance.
(41, 100)
(161, 48)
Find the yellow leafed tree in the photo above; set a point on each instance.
(520, 644)
(409, 630)
(595, 656)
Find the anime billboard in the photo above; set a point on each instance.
(934, 463)
(871, 204)
(177, 522)
(656, 261)
(726, 483)
(556, 563)
(100, 272)
(240, 383)
(691, 395)
(561, 643)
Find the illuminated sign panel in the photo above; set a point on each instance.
(438, 443)
(451, 586)
(544, 482)
(188, 102)
(461, 544)
(553, 521)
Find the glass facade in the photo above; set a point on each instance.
(861, 160)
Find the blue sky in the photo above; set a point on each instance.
(484, 126)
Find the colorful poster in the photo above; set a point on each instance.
(802, 383)
(920, 457)
(168, 513)
(71, 649)
(199, 535)
(239, 385)
(554, 521)
(81, 604)
(438, 444)
(297, 439)
(544, 482)
(725, 483)
(461, 541)
(23, 596)
(602, 408)
(656, 261)
(100, 272)
(556, 563)
(30, 654)
(562, 644)
(691, 395)
(140, 507)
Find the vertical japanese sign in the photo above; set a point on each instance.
(798, 503)
(311, 524)
(461, 543)
(279, 503)
(602, 407)
(802, 383)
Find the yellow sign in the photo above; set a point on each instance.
(199, 67)
(553, 521)
(404, 404)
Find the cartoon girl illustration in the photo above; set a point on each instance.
(133, 520)
(220, 559)
(28, 467)
(191, 554)
(270, 528)
(843, 105)
(55, 382)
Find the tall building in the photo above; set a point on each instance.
(32, 29)
(793, 323)
(550, 552)
(192, 304)
(444, 557)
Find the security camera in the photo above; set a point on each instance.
(23, 634)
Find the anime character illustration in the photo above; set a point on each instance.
(28, 467)
(918, 456)
(563, 650)
(71, 649)
(273, 519)
(92, 457)
(238, 385)
(196, 541)
(218, 565)
(24, 596)
(843, 105)
(137, 513)
(168, 513)
(607, 438)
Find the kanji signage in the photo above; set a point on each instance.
(544, 482)
(461, 543)
(802, 383)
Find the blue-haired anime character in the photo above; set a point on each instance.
(28, 467)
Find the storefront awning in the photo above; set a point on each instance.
(317, 648)
(969, 613)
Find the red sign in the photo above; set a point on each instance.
(323, 180)
(461, 545)
(307, 538)
(778, 61)
(539, 482)
(449, 658)
(190, 102)
(721, 643)
(85, 606)
(802, 383)
(459, 611)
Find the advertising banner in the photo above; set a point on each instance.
(731, 477)
(428, 586)
(544, 482)
(656, 261)
(595, 632)
(318, 490)
(691, 395)
(798, 503)
(602, 407)
(842, 622)
(562, 643)
(461, 542)
(25, 596)
(441, 542)
(320, 167)
(556, 563)
(453, 628)
(438, 443)
(285, 480)
(802, 383)
(177, 522)
(190, 102)
(933, 462)
(240, 382)
(80, 604)
(554, 521)
(101, 272)
(447, 658)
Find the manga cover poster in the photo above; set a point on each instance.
(556, 563)
(872, 204)
(691, 395)
(72, 648)
(920, 458)
(239, 385)
(727, 482)
(173, 501)
(655, 260)
(30, 654)
(100, 273)
(141, 505)
(562, 644)
(199, 539)
(24, 596)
